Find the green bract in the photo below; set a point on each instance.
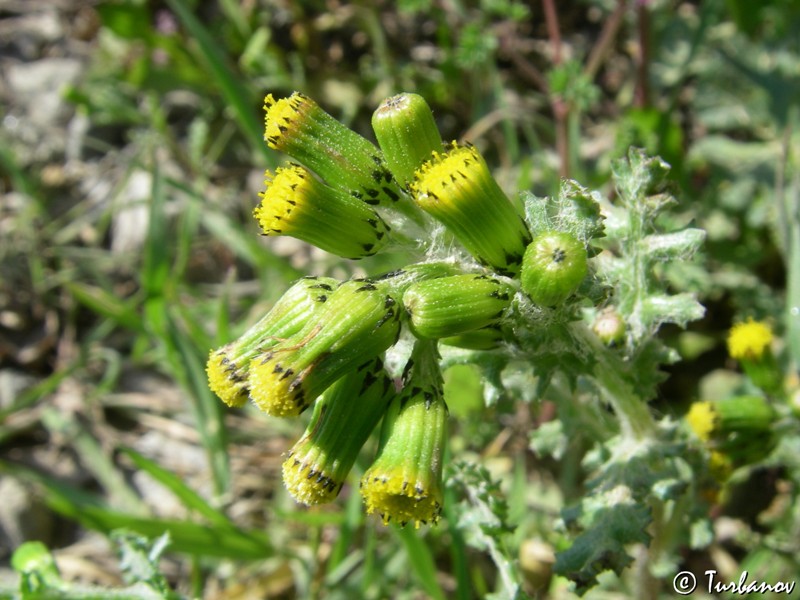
(343, 418)
(405, 481)
(553, 267)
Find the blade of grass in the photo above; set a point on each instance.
(95, 460)
(106, 304)
(186, 537)
(183, 357)
(373, 568)
(353, 520)
(20, 180)
(229, 232)
(188, 229)
(157, 252)
(188, 365)
(32, 395)
(793, 290)
(222, 312)
(237, 96)
(422, 561)
(191, 499)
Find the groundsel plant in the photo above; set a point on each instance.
(543, 290)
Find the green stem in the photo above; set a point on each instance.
(632, 411)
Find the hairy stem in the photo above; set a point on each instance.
(632, 411)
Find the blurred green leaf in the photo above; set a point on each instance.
(127, 19)
(190, 499)
(422, 561)
(186, 537)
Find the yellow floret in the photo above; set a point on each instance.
(396, 499)
(702, 418)
(276, 388)
(307, 481)
(749, 340)
(286, 189)
(448, 175)
(225, 379)
(281, 117)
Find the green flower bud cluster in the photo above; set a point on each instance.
(323, 344)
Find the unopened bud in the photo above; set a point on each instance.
(228, 367)
(299, 127)
(404, 482)
(451, 306)
(343, 419)
(553, 267)
(406, 133)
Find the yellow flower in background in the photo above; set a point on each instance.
(749, 343)
(701, 418)
(749, 340)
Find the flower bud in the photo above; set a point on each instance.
(457, 189)
(344, 159)
(228, 367)
(553, 267)
(609, 327)
(404, 482)
(450, 306)
(406, 133)
(358, 322)
(296, 204)
(343, 419)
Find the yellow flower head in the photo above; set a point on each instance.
(343, 419)
(357, 323)
(399, 500)
(749, 340)
(456, 188)
(228, 367)
(296, 204)
(345, 160)
(702, 418)
(404, 483)
(308, 482)
(285, 117)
